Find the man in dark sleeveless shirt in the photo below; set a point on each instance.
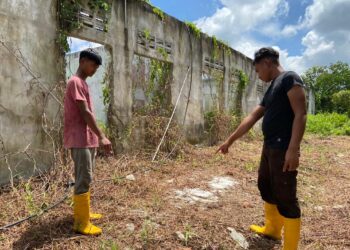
(284, 110)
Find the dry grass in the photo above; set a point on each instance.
(148, 203)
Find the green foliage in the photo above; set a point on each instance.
(159, 13)
(243, 81)
(215, 53)
(194, 29)
(68, 15)
(69, 21)
(147, 231)
(29, 198)
(109, 244)
(188, 234)
(106, 90)
(163, 53)
(158, 87)
(62, 41)
(106, 93)
(328, 124)
(99, 4)
(224, 45)
(341, 102)
(220, 44)
(218, 125)
(325, 82)
(147, 34)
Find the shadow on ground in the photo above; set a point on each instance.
(45, 232)
(259, 243)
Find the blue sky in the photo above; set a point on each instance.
(306, 32)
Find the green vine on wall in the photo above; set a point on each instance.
(243, 81)
(224, 45)
(159, 13)
(157, 87)
(106, 90)
(147, 34)
(215, 53)
(99, 4)
(155, 10)
(68, 17)
(220, 44)
(218, 124)
(68, 22)
(194, 29)
(163, 53)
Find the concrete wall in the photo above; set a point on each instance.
(128, 23)
(31, 25)
(28, 27)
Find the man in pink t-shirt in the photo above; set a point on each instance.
(82, 136)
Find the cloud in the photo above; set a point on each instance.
(250, 24)
(289, 31)
(242, 16)
(76, 44)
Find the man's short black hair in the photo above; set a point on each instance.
(266, 52)
(91, 54)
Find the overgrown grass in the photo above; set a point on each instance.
(328, 124)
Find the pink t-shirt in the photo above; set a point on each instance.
(77, 134)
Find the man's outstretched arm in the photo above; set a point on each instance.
(243, 128)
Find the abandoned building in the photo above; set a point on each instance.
(137, 39)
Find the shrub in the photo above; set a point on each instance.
(341, 101)
(328, 124)
(219, 125)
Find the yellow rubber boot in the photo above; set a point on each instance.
(94, 216)
(291, 233)
(82, 222)
(273, 223)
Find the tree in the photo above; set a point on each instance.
(325, 81)
(341, 101)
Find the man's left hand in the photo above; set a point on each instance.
(291, 160)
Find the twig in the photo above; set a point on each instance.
(171, 117)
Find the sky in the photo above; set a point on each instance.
(305, 32)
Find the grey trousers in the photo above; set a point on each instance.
(84, 162)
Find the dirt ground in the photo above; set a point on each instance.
(153, 211)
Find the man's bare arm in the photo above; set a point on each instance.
(89, 118)
(297, 101)
(243, 128)
(247, 124)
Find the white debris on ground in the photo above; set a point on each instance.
(217, 184)
(222, 183)
(130, 177)
(238, 237)
(196, 195)
(180, 235)
(130, 227)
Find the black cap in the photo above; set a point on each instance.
(266, 52)
(92, 55)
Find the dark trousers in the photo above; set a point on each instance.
(278, 187)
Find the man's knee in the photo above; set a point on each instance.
(264, 186)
